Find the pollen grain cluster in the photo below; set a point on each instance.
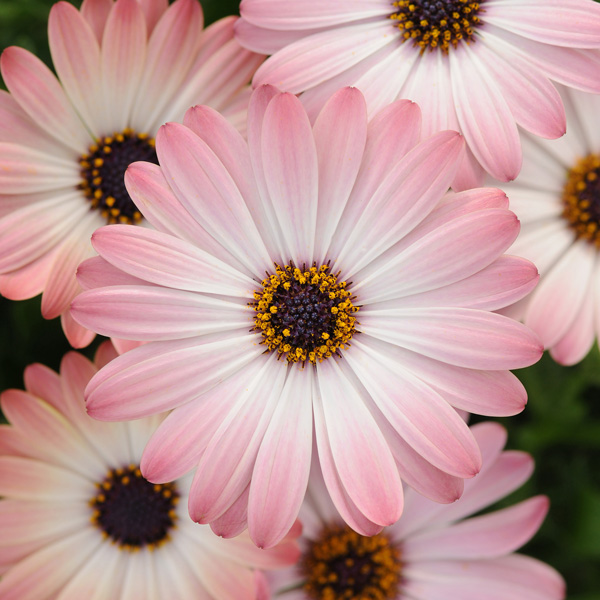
(344, 565)
(304, 314)
(103, 170)
(581, 197)
(133, 512)
(436, 24)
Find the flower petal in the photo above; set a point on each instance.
(205, 188)
(40, 94)
(289, 159)
(403, 200)
(160, 376)
(484, 116)
(282, 465)
(123, 56)
(362, 456)
(464, 337)
(165, 260)
(340, 136)
(417, 412)
(487, 536)
(226, 466)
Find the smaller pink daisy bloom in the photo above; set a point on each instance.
(481, 68)
(124, 68)
(325, 285)
(557, 198)
(78, 520)
(433, 552)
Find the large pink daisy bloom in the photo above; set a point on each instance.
(557, 197)
(319, 287)
(478, 67)
(433, 552)
(79, 521)
(124, 69)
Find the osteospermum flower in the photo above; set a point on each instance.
(78, 520)
(557, 197)
(478, 67)
(318, 278)
(124, 68)
(433, 552)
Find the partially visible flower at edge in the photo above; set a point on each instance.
(479, 68)
(326, 274)
(124, 68)
(434, 552)
(557, 198)
(78, 520)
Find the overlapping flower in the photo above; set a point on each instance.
(325, 274)
(78, 520)
(434, 552)
(557, 198)
(480, 68)
(124, 68)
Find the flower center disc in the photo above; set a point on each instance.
(133, 512)
(103, 170)
(581, 197)
(344, 565)
(304, 314)
(436, 24)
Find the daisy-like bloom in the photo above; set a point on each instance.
(433, 552)
(478, 67)
(124, 68)
(78, 520)
(319, 289)
(557, 198)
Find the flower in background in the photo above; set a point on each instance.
(557, 198)
(319, 277)
(481, 68)
(78, 520)
(124, 68)
(433, 552)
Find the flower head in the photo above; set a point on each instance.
(481, 68)
(78, 518)
(325, 285)
(434, 551)
(557, 198)
(124, 68)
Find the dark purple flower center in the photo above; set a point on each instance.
(103, 170)
(581, 197)
(133, 512)
(436, 24)
(344, 565)
(304, 314)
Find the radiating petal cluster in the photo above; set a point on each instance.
(70, 532)
(557, 198)
(439, 551)
(364, 202)
(481, 68)
(124, 68)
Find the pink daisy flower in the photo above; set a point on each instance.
(78, 520)
(480, 68)
(433, 552)
(124, 68)
(557, 197)
(319, 287)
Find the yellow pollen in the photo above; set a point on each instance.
(344, 565)
(581, 199)
(124, 493)
(102, 173)
(430, 25)
(304, 314)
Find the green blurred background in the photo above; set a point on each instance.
(560, 427)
